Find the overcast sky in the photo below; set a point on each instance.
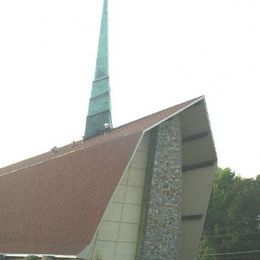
(161, 53)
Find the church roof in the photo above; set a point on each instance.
(52, 203)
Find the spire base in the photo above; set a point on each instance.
(100, 123)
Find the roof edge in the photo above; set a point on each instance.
(176, 113)
(81, 253)
(210, 131)
(10, 171)
(40, 255)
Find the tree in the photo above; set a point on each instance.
(232, 222)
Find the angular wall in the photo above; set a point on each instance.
(159, 207)
(116, 236)
(162, 231)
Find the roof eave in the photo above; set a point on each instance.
(176, 113)
(18, 255)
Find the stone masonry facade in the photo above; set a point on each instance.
(163, 225)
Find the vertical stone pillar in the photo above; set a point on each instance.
(163, 224)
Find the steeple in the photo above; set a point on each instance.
(99, 110)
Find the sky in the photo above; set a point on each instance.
(161, 53)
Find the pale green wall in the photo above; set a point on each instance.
(196, 186)
(116, 236)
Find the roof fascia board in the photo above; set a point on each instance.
(202, 98)
(176, 113)
(40, 255)
(145, 130)
(210, 130)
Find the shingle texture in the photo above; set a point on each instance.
(52, 203)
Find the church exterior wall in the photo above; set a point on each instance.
(162, 231)
(117, 234)
(197, 182)
(158, 209)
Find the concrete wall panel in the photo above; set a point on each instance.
(117, 233)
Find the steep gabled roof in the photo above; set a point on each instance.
(52, 203)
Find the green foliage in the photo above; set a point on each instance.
(232, 222)
(205, 250)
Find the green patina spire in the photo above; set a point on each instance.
(99, 110)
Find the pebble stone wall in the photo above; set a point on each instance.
(163, 225)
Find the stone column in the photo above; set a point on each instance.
(163, 224)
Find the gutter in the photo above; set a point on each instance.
(6, 255)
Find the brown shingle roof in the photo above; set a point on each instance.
(52, 203)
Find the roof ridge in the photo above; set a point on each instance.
(52, 156)
(120, 131)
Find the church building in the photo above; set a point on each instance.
(139, 191)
